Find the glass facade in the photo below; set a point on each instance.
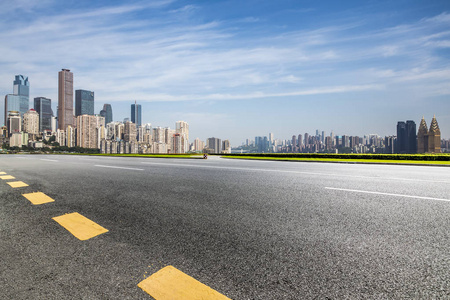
(108, 113)
(22, 89)
(136, 114)
(43, 106)
(84, 103)
(12, 103)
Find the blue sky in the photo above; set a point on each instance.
(239, 69)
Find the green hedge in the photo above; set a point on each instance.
(422, 157)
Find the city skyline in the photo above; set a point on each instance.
(83, 104)
(237, 70)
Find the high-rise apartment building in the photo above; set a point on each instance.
(84, 103)
(178, 143)
(107, 113)
(136, 114)
(214, 145)
(226, 146)
(65, 99)
(182, 128)
(43, 107)
(70, 136)
(129, 132)
(31, 122)
(198, 145)
(406, 137)
(86, 131)
(158, 135)
(14, 122)
(300, 141)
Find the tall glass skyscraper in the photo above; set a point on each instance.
(20, 99)
(22, 89)
(84, 103)
(136, 114)
(406, 137)
(44, 108)
(106, 112)
(12, 103)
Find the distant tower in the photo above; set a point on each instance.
(136, 114)
(22, 89)
(19, 100)
(65, 99)
(31, 122)
(434, 137)
(43, 106)
(107, 113)
(86, 131)
(182, 128)
(84, 103)
(14, 122)
(406, 137)
(422, 137)
(129, 132)
(429, 141)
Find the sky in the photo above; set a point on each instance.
(239, 69)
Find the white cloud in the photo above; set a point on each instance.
(163, 59)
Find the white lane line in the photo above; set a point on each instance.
(115, 167)
(49, 159)
(296, 172)
(387, 194)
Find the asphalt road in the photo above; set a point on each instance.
(247, 229)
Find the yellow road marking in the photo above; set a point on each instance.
(171, 283)
(38, 198)
(2, 173)
(4, 177)
(81, 227)
(17, 184)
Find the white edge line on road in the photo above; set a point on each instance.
(49, 159)
(295, 172)
(387, 194)
(115, 167)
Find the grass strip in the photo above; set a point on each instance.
(380, 161)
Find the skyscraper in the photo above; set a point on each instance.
(271, 138)
(214, 144)
(12, 103)
(178, 143)
(226, 146)
(86, 131)
(43, 106)
(182, 128)
(31, 122)
(65, 99)
(107, 113)
(429, 141)
(14, 122)
(198, 145)
(136, 114)
(84, 103)
(22, 89)
(20, 99)
(129, 132)
(406, 137)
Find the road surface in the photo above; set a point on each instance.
(246, 229)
